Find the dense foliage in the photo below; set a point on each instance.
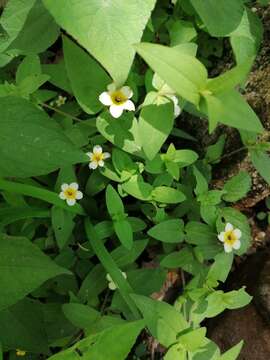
(104, 201)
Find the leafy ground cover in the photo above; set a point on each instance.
(106, 203)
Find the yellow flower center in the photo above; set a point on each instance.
(20, 352)
(97, 157)
(118, 98)
(70, 193)
(230, 238)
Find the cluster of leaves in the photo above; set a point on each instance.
(152, 194)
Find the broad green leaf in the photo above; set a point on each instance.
(181, 32)
(167, 195)
(106, 29)
(211, 197)
(122, 132)
(155, 125)
(261, 161)
(162, 319)
(96, 183)
(247, 37)
(41, 146)
(35, 36)
(114, 203)
(200, 234)
(194, 339)
(8, 215)
(221, 267)
(137, 188)
(183, 73)
(233, 353)
(184, 259)
(169, 231)
(239, 221)
(29, 66)
(176, 352)
(214, 152)
(105, 345)
(58, 75)
(123, 164)
(63, 225)
(237, 186)
(231, 109)
(222, 19)
(12, 21)
(23, 268)
(81, 316)
(88, 79)
(124, 232)
(202, 184)
(22, 327)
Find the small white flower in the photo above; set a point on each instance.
(117, 99)
(97, 157)
(60, 100)
(230, 238)
(165, 90)
(112, 285)
(70, 193)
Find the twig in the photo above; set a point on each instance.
(60, 111)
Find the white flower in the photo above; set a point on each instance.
(70, 193)
(117, 99)
(60, 100)
(230, 238)
(112, 285)
(165, 90)
(97, 157)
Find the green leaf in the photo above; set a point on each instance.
(58, 75)
(38, 33)
(167, 195)
(122, 133)
(184, 259)
(80, 68)
(233, 353)
(23, 268)
(63, 225)
(176, 352)
(231, 109)
(202, 184)
(137, 188)
(22, 327)
(181, 32)
(29, 66)
(169, 231)
(261, 161)
(200, 234)
(214, 152)
(41, 146)
(183, 73)
(162, 319)
(124, 232)
(155, 125)
(222, 19)
(114, 203)
(193, 339)
(237, 187)
(123, 164)
(105, 345)
(107, 30)
(221, 267)
(81, 316)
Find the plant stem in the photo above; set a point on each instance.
(110, 266)
(60, 111)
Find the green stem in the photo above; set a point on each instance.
(39, 193)
(110, 266)
(60, 112)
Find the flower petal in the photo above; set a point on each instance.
(228, 227)
(112, 286)
(79, 195)
(221, 236)
(128, 105)
(108, 277)
(62, 195)
(90, 154)
(106, 155)
(126, 90)
(237, 244)
(64, 187)
(227, 248)
(105, 99)
(97, 149)
(74, 186)
(71, 202)
(93, 165)
(237, 233)
(116, 110)
(101, 163)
